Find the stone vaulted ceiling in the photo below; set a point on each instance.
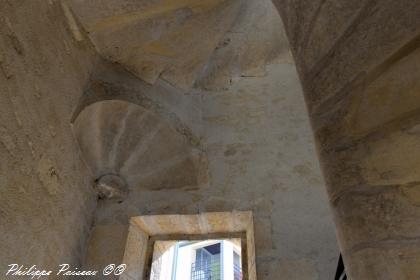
(182, 43)
(168, 38)
(177, 40)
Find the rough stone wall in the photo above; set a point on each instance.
(261, 158)
(254, 130)
(359, 66)
(46, 199)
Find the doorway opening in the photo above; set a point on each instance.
(211, 259)
(199, 244)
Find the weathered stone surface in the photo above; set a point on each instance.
(261, 157)
(399, 261)
(342, 64)
(181, 110)
(135, 253)
(288, 269)
(46, 199)
(324, 27)
(245, 49)
(200, 224)
(297, 17)
(376, 216)
(106, 246)
(111, 186)
(117, 137)
(159, 38)
(360, 76)
(253, 126)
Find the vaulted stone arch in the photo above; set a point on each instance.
(124, 139)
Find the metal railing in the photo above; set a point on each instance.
(237, 272)
(211, 270)
(208, 270)
(341, 271)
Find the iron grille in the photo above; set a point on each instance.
(207, 270)
(341, 271)
(237, 272)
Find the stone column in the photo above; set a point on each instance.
(359, 63)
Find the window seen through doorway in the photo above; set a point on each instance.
(197, 260)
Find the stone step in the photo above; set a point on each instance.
(172, 39)
(122, 138)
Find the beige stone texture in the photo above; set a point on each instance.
(106, 246)
(197, 107)
(152, 39)
(46, 196)
(359, 70)
(117, 137)
(261, 158)
(135, 252)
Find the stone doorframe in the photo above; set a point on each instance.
(144, 231)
